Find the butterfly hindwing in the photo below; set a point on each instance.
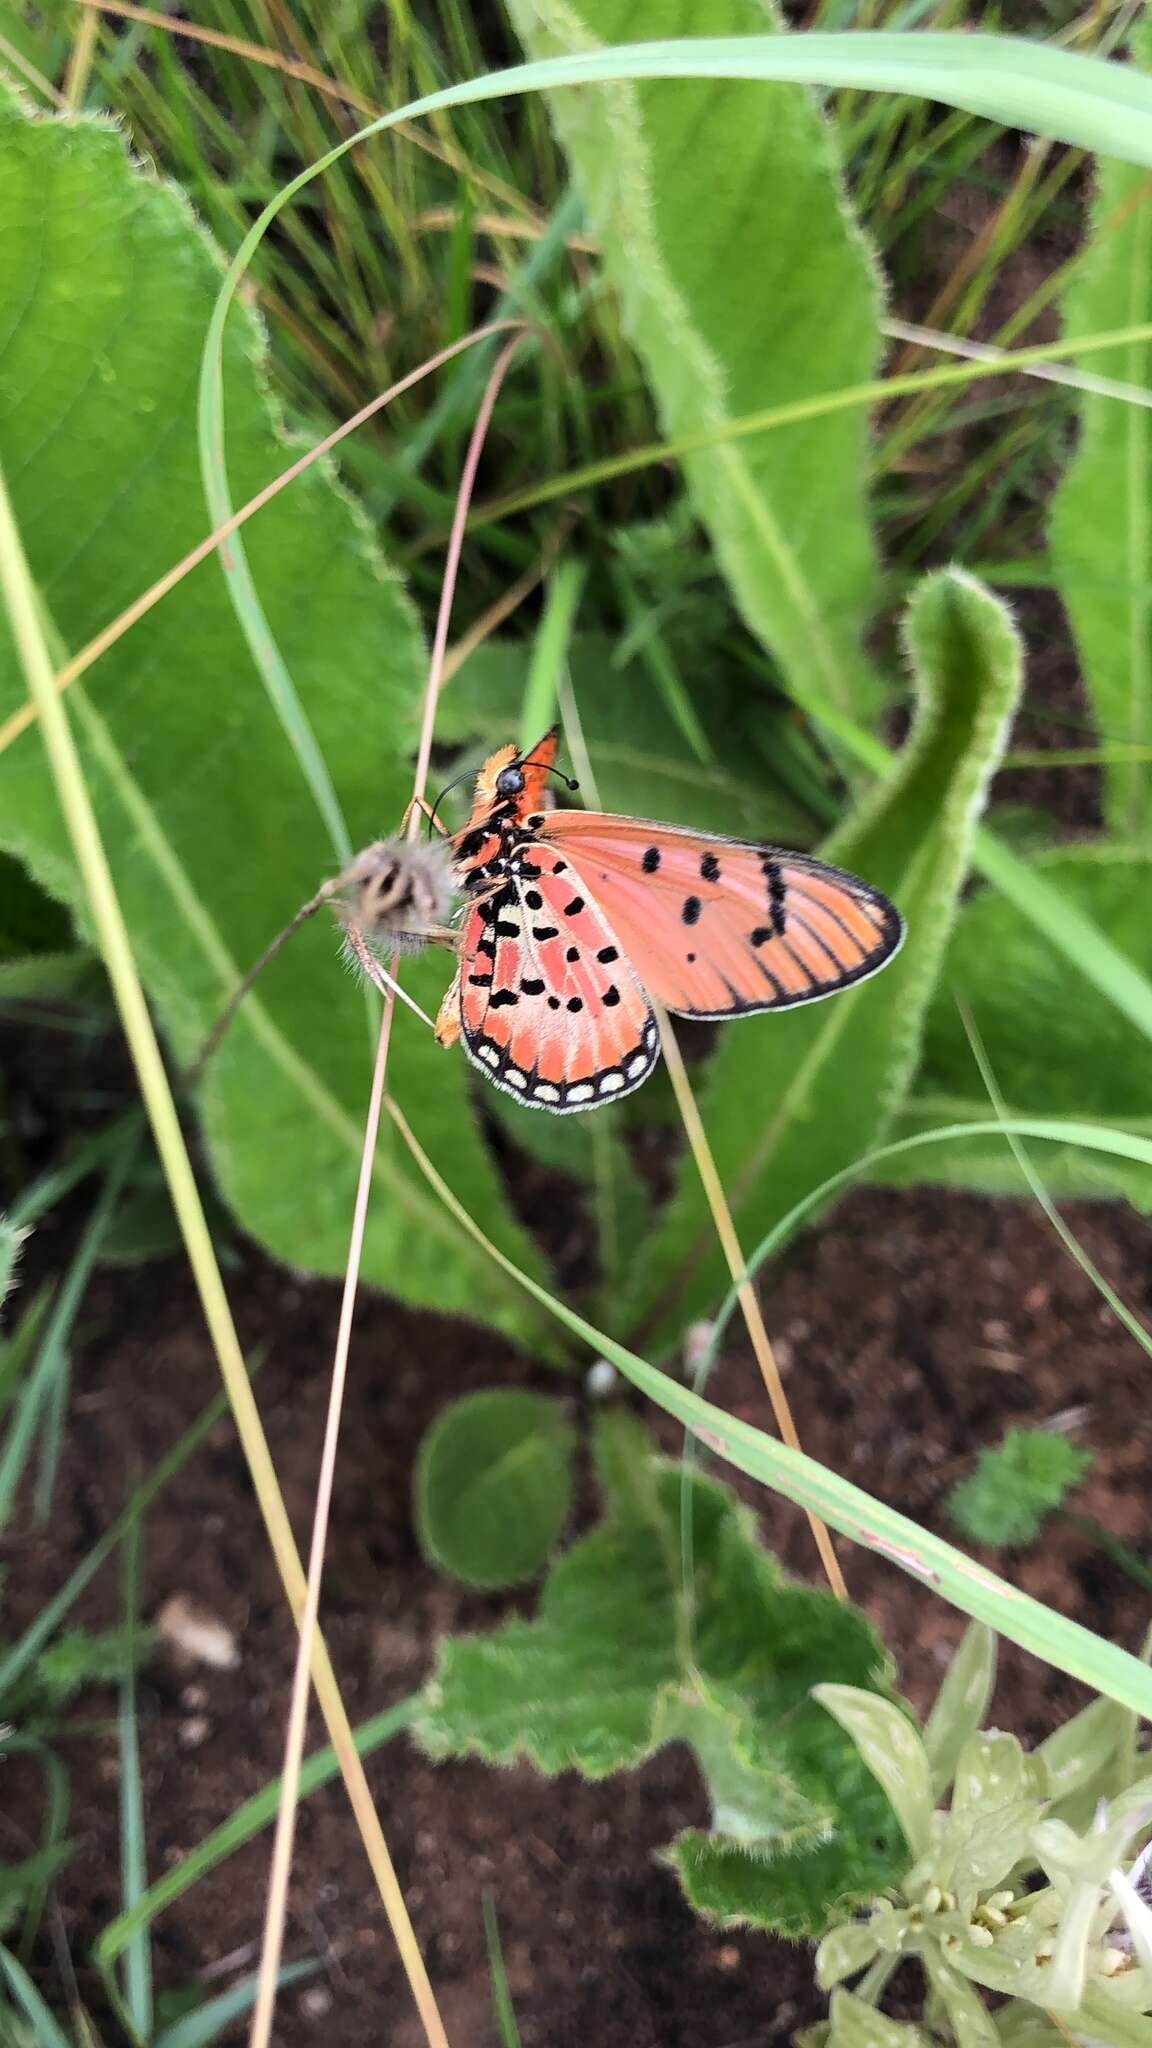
(549, 1009)
(718, 927)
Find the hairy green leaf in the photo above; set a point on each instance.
(791, 1099)
(213, 839)
(1089, 1061)
(749, 289)
(1015, 1485)
(1101, 522)
(622, 1659)
(494, 1485)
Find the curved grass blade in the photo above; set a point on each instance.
(256, 1813)
(925, 1557)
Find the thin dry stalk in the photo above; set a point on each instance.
(297, 1713)
(19, 596)
(80, 61)
(506, 604)
(738, 1267)
(18, 62)
(717, 1200)
(307, 74)
(110, 634)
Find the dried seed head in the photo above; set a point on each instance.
(397, 894)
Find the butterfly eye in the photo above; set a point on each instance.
(510, 782)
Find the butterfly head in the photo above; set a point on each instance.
(512, 780)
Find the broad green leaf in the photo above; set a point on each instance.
(494, 1485)
(1020, 2025)
(643, 763)
(1101, 521)
(856, 2024)
(925, 1557)
(30, 922)
(1086, 1757)
(50, 978)
(791, 1099)
(970, 2020)
(213, 839)
(991, 1772)
(891, 1746)
(620, 1660)
(1090, 1060)
(997, 1798)
(961, 1703)
(744, 288)
(842, 1953)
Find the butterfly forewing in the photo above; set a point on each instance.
(549, 1009)
(718, 927)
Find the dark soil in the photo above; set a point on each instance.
(912, 1330)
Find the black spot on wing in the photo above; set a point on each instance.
(709, 868)
(651, 860)
(691, 909)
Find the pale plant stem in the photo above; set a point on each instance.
(18, 62)
(281, 1864)
(738, 1267)
(80, 60)
(20, 600)
(108, 636)
(713, 1187)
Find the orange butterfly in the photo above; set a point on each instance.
(577, 914)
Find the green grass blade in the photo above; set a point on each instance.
(11, 1239)
(48, 2034)
(34, 1392)
(133, 1863)
(1101, 517)
(208, 2021)
(56, 1803)
(550, 651)
(52, 1438)
(94, 1153)
(248, 1820)
(925, 1557)
(25, 1648)
(16, 1349)
(502, 2005)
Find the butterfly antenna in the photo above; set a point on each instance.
(446, 791)
(530, 761)
(212, 1043)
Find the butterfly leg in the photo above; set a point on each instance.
(448, 1019)
(421, 804)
